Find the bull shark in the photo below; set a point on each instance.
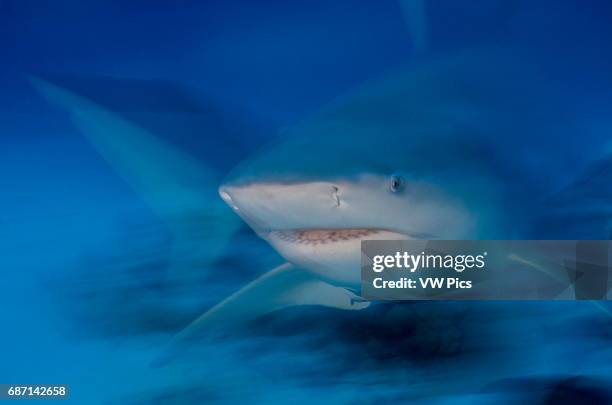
(471, 145)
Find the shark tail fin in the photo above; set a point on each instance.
(282, 287)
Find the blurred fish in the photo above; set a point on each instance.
(433, 151)
(467, 146)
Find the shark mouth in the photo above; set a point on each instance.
(322, 236)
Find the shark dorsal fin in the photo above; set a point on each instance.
(415, 15)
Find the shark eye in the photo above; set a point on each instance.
(396, 183)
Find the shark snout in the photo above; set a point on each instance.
(224, 192)
(283, 205)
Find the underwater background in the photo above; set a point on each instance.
(94, 283)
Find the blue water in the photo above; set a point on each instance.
(89, 293)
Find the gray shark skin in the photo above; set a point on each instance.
(471, 145)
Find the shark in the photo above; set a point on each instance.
(482, 143)
(469, 145)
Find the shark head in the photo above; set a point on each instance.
(315, 198)
(408, 157)
(318, 224)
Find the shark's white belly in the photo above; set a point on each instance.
(333, 254)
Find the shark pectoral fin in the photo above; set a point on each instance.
(180, 190)
(317, 292)
(282, 287)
